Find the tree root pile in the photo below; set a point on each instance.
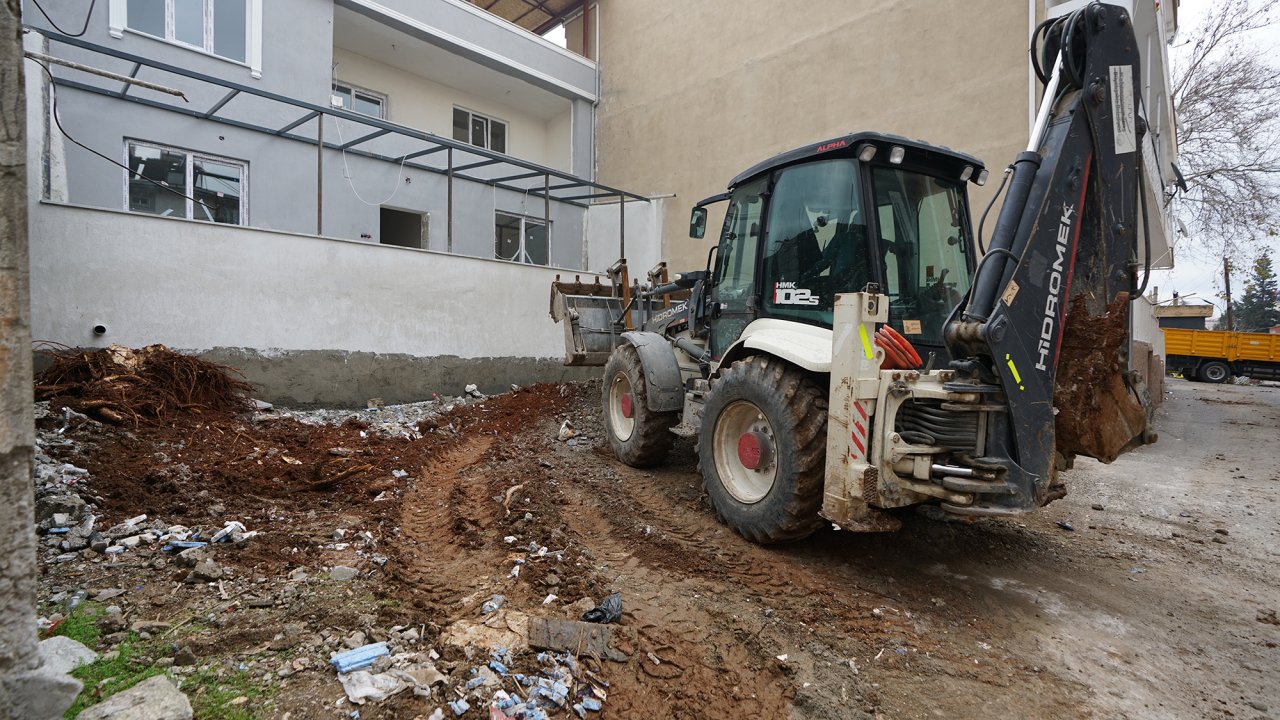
(121, 385)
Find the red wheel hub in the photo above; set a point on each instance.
(625, 402)
(755, 449)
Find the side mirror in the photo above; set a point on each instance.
(698, 223)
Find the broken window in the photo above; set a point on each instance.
(365, 102)
(521, 239)
(179, 183)
(479, 130)
(218, 27)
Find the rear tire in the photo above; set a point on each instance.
(639, 436)
(1214, 371)
(773, 492)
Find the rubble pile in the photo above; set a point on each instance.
(411, 421)
(122, 385)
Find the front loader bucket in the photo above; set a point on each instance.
(593, 318)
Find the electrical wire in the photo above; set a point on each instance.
(983, 222)
(346, 170)
(58, 122)
(87, 17)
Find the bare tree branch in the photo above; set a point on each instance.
(1226, 96)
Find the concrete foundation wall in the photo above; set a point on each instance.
(312, 320)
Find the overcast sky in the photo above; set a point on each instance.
(1197, 266)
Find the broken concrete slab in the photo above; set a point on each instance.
(343, 573)
(62, 654)
(500, 629)
(155, 698)
(575, 636)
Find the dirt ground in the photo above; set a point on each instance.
(1159, 603)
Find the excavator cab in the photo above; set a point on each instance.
(839, 216)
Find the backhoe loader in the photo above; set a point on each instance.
(847, 350)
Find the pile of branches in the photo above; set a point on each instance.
(121, 385)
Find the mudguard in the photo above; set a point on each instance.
(802, 345)
(661, 371)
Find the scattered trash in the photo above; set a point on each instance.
(232, 527)
(550, 599)
(362, 685)
(1066, 526)
(492, 604)
(359, 658)
(460, 706)
(608, 611)
(782, 657)
(567, 431)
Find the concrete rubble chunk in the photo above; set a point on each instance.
(149, 626)
(62, 654)
(501, 629)
(205, 571)
(573, 636)
(155, 698)
(342, 573)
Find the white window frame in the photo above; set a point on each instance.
(192, 156)
(522, 256)
(118, 24)
(488, 135)
(370, 94)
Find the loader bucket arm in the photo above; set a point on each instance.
(1046, 329)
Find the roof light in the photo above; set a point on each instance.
(982, 177)
(896, 155)
(966, 173)
(867, 152)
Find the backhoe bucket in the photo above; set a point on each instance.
(1104, 409)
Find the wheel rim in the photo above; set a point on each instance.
(621, 407)
(1214, 372)
(745, 452)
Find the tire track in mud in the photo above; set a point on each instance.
(441, 521)
(690, 573)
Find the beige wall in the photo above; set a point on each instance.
(420, 103)
(695, 91)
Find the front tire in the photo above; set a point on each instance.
(639, 436)
(762, 450)
(1214, 371)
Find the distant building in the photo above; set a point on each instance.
(1186, 317)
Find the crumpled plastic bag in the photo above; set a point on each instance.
(363, 685)
(608, 611)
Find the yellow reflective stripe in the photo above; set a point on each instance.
(866, 342)
(1013, 369)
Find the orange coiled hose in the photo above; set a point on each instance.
(898, 352)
